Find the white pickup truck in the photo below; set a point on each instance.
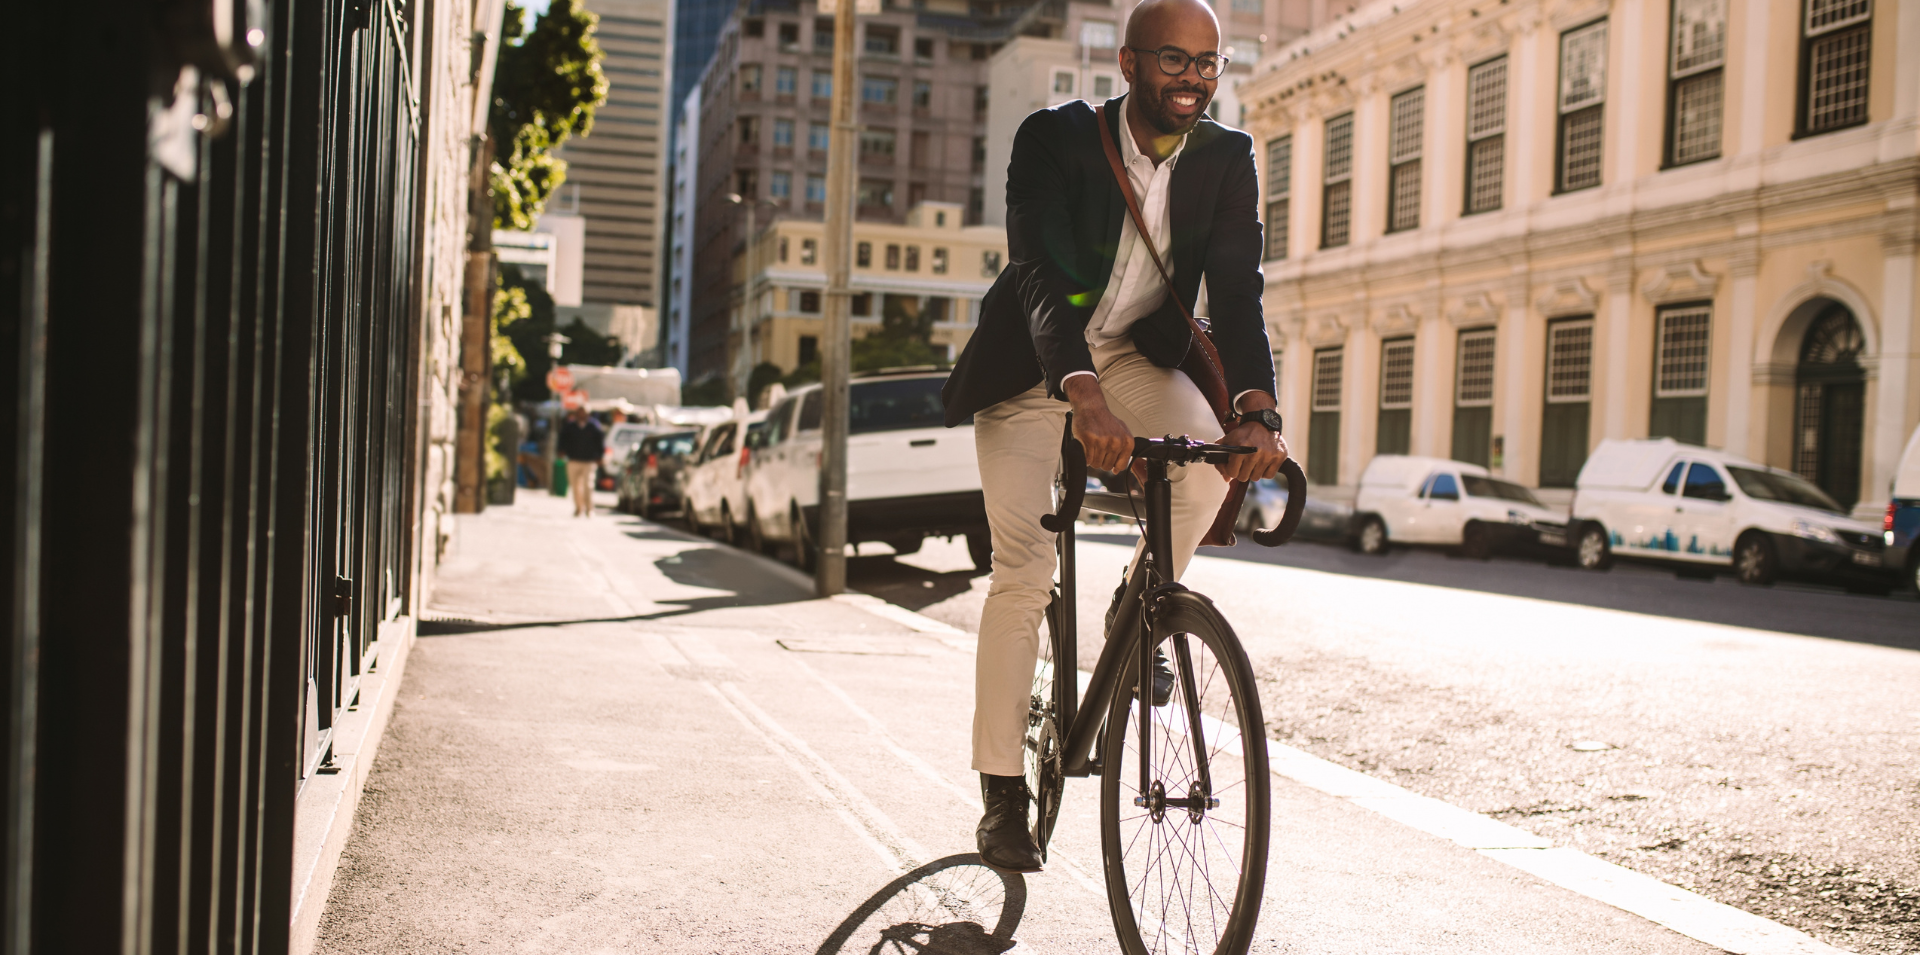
(1415, 500)
(908, 477)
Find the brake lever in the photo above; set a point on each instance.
(1073, 474)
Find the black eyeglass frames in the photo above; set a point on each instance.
(1173, 62)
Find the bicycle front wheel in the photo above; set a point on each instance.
(1184, 804)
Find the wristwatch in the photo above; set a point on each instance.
(1265, 417)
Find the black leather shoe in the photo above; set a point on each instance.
(1005, 840)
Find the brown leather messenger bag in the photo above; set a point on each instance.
(1202, 361)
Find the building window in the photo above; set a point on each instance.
(1062, 82)
(923, 49)
(783, 248)
(786, 81)
(1394, 433)
(1473, 397)
(1486, 135)
(1680, 365)
(976, 205)
(981, 98)
(818, 136)
(749, 130)
(783, 133)
(1583, 95)
(1243, 49)
(780, 186)
(1103, 86)
(816, 188)
(1254, 7)
(789, 37)
(809, 349)
(922, 94)
(1696, 57)
(1098, 34)
(893, 258)
(1279, 193)
(939, 260)
(810, 302)
(913, 258)
(979, 153)
(1407, 128)
(863, 255)
(879, 90)
(750, 78)
(990, 263)
(823, 35)
(876, 145)
(744, 181)
(809, 251)
(753, 28)
(822, 84)
(883, 40)
(1323, 427)
(1835, 51)
(861, 305)
(1563, 425)
(1336, 197)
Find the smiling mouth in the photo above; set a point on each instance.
(1186, 102)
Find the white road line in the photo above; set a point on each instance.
(1675, 908)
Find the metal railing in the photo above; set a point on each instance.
(210, 351)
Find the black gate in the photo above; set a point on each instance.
(210, 377)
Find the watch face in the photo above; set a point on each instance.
(1268, 419)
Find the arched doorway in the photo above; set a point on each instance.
(1830, 403)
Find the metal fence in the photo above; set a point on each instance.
(208, 243)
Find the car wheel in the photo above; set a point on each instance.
(1474, 542)
(805, 554)
(1372, 538)
(1913, 574)
(980, 548)
(1754, 560)
(756, 541)
(725, 531)
(1591, 550)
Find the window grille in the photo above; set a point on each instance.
(816, 189)
(822, 84)
(1570, 361)
(880, 90)
(1806, 451)
(1473, 380)
(1279, 188)
(1582, 100)
(1336, 205)
(780, 186)
(1326, 379)
(1486, 135)
(1407, 126)
(783, 132)
(877, 144)
(1695, 71)
(1680, 353)
(1396, 374)
(785, 81)
(1837, 57)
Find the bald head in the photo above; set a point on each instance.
(1154, 21)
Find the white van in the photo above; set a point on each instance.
(908, 476)
(1413, 500)
(715, 484)
(1673, 502)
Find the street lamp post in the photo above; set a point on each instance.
(752, 207)
(830, 569)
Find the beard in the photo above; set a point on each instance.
(1158, 114)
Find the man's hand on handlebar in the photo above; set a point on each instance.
(1269, 448)
(1107, 442)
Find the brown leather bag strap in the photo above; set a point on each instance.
(1209, 378)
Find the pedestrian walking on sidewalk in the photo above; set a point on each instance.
(1095, 317)
(582, 442)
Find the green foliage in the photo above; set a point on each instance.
(760, 379)
(713, 390)
(546, 87)
(510, 307)
(905, 338)
(526, 336)
(500, 457)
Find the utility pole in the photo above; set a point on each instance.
(836, 348)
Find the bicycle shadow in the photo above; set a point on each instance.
(950, 906)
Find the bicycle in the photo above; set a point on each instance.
(1184, 798)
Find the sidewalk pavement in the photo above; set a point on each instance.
(615, 737)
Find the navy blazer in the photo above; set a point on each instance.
(1064, 213)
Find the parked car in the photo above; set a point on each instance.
(716, 483)
(1902, 524)
(908, 478)
(621, 439)
(1322, 520)
(1404, 499)
(651, 483)
(1699, 508)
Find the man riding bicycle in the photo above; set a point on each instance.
(1083, 313)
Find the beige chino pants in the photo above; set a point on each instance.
(580, 485)
(1018, 441)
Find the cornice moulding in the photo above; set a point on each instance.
(1397, 320)
(1680, 282)
(1478, 308)
(1568, 297)
(1325, 330)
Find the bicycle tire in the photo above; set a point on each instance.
(1041, 748)
(1155, 856)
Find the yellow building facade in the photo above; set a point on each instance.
(933, 264)
(1503, 230)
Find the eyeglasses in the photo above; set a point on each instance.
(1173, 62)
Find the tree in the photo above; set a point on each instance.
(905, 338)
(546, 87)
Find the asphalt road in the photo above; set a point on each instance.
(1742, 758)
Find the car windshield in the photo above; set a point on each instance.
(1784, 488)
(673, 445)
(895, 405)
(627, 437)
(1494, 487)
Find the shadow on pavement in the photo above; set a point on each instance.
(1805, 609)
(950, 906)
(905, 585)
(455, 627)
